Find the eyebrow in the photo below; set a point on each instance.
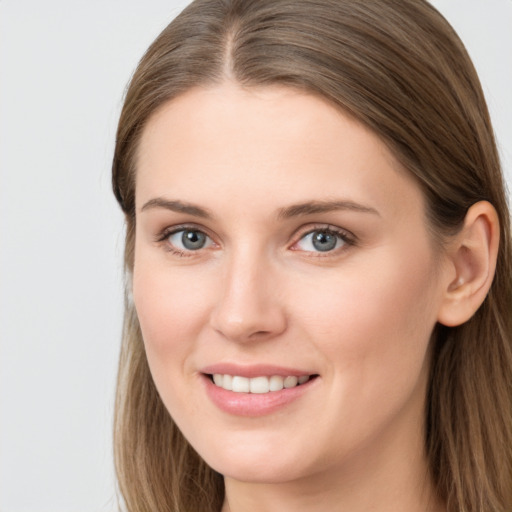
(176, 206)
(296, 210)
(313, 207)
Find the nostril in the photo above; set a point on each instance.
(259, 334)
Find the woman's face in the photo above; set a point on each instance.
(279, 242)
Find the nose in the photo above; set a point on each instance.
(250, 305)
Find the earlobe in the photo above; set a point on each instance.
(472, 257)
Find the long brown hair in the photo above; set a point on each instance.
(399, 68)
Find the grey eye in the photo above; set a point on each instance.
(189, 240)
(321, 240)
(193, 240)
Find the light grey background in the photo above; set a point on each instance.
(63, 69)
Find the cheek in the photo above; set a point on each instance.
(376, 319)
(171, 307)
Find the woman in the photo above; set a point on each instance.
(318, 265)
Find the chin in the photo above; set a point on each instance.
(263, 473)
(256, 464)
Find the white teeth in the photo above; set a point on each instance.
(276, 383)
(240, 384)
(290, 382)
(227, 382)
(257, 384)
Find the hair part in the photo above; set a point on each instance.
(399, 68)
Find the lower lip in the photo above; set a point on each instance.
(254, 404)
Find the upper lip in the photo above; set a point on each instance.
(254, 370)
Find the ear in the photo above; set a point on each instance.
(472, 261)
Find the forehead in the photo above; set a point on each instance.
(261, 143)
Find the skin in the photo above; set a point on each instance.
(359, 316)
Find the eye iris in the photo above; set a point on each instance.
(323, 241)
(193, 240)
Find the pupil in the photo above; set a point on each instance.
(323, 241)
(193, 240)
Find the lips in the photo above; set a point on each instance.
(255, 390)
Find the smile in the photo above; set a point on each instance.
(256, 390)
(258, 385)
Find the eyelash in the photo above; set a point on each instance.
(347, 238)
(167, 232)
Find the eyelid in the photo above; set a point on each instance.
(348, 237)
(163, 235)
